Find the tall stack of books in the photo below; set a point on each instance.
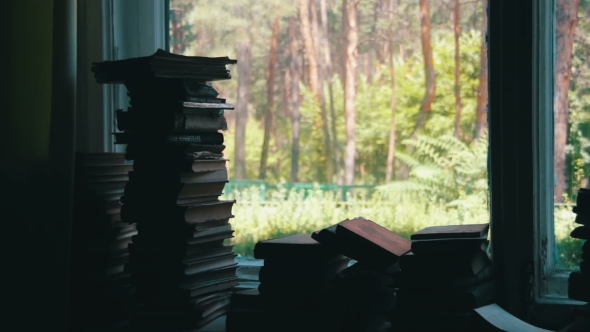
(178, 261)
(579, 281)
(103, 293)
(445, 276)
(363, 295)
(295, 281)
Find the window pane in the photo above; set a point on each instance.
(572, 122)
(375, 109)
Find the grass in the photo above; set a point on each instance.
(286, 212)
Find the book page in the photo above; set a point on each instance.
(504, 321)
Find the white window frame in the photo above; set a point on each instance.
(124, 29)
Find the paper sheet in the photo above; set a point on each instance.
(501, 319)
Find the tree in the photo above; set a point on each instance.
(270, 79)
(244, 53)
(392, 127)
(481, 114)
(566, 13)
(430, 87)
(310, 35)
(294, 71)
(350, 88)
(457, 31)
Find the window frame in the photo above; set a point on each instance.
(520, 142)
(117, 25)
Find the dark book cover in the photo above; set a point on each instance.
(451, 232)
(418, 279)
(177, 214)
(293, 246)
(457, 266)
(448, 300)
(297, 273)
(371, 243)
(449, 246)
(146, 138)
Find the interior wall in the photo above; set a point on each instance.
(36, 144)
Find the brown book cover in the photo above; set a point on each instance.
(371, 243)
(293, 246)
(451, 232)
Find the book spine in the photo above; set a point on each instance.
(205, 100)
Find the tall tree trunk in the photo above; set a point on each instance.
(457, 30)
(566, 14)
(329, 77)
(350, 90)
(270, 82)
(310, 37)
(315, 34)
(393, 10)
(430, 90)
(244, 76)
(481, 124)
(294, 73)
(343, 43)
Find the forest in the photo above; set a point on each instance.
(388, 93)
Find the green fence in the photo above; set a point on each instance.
(297, 187)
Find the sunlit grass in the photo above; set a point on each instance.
(286, 212)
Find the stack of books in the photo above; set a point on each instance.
(579, 281)
(363, 296)
(103, 293)
(178, 261)
(446, 275)
(295, 281)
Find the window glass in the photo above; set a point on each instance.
(347, 108)
(572, 122)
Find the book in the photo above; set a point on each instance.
(170, 192)
(159, 257)
(308, 262)
(298, 273)
(178, 250)
(406, 320)
(179, 151)
(84, 172)
(188, 322)
(100, 159)
(222, 233)
(449, 246)
(581, 232)
(253, 299)
(165, 90)
(135, 121)
(180, 269)
(162, 64)
(578, 286)
(451, 232)
(309, 289)
(185, 282)
(292, 246)
(178, 214)
(448, 300)
(137, 138)
(179, 200)
(181, 177)
(159, 99)
(456, 266)
(183, 230)
(418, 279)
(164, 295)
(371, 243)
(179, 165)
